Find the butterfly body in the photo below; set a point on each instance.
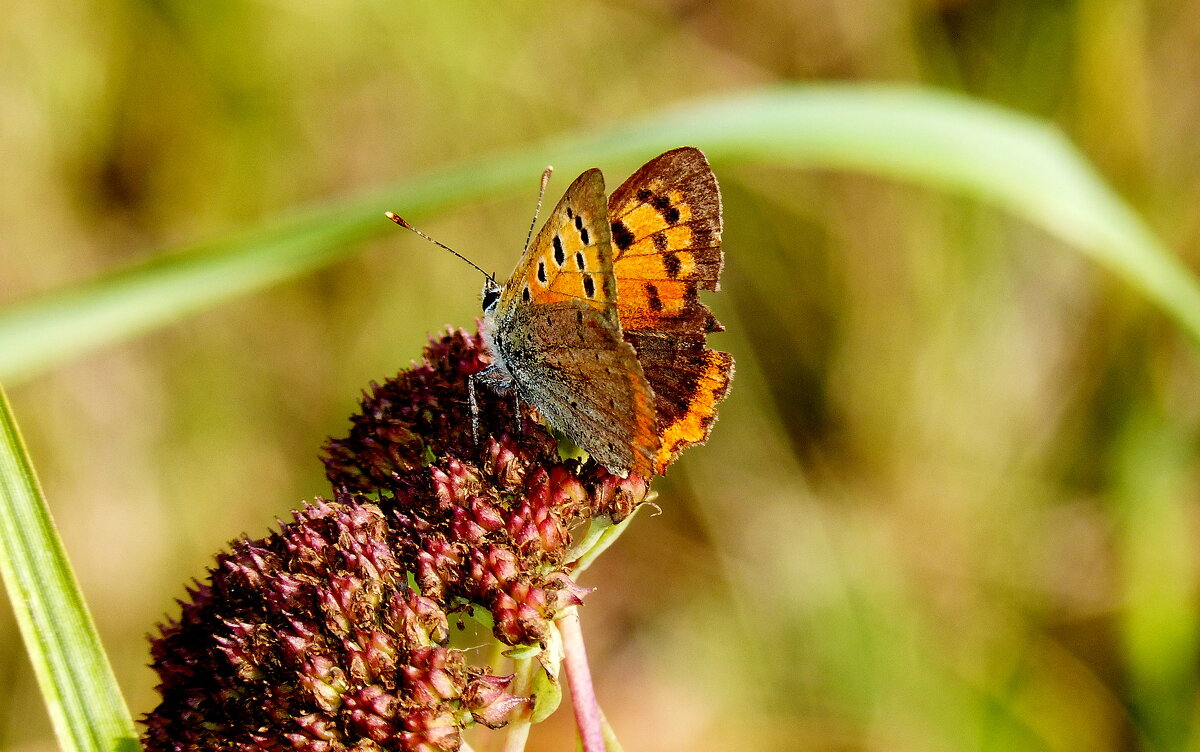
(600, 327)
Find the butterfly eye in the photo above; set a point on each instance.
(490, 296)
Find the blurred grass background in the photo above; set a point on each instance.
(950, 503)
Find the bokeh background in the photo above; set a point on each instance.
(951, 501)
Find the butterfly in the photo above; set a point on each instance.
(600, 326)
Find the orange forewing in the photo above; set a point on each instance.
(571, 256)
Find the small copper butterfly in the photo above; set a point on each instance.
(600, 326)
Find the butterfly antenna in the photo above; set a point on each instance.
(404, 223)
(541, 193)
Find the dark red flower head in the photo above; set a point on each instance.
(334, 632)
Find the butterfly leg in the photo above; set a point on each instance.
(473, 403)
(516, 412)
(496, 378)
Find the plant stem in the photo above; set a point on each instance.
(517, 732)
(579, 679)
(610, 736)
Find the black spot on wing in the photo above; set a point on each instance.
(644, 194)
(583, 233)
(579, 260)
(663, 206)
(660, 241)
(525, 294)
(559, 255)
(542, 272)
(672, 265)
(589, 286)
(622, 237)
(655, 301)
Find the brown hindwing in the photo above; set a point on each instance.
(587, 383)
(666, 241)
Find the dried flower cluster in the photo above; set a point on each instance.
(333, 633)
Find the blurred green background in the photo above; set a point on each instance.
(951, 500)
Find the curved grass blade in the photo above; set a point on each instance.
(935, 138)
(77, 682)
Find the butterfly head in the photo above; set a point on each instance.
(490, 295)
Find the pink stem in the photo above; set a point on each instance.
(579, 679)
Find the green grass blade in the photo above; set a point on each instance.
(947, 141)
(1159, 627)
(81, 692)
(935, 138)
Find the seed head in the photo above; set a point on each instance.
(333, 633)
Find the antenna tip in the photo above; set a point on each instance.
(397, 219)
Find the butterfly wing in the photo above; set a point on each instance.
(571, 256)
(586, 382)
(559, 334)
(666, 239)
